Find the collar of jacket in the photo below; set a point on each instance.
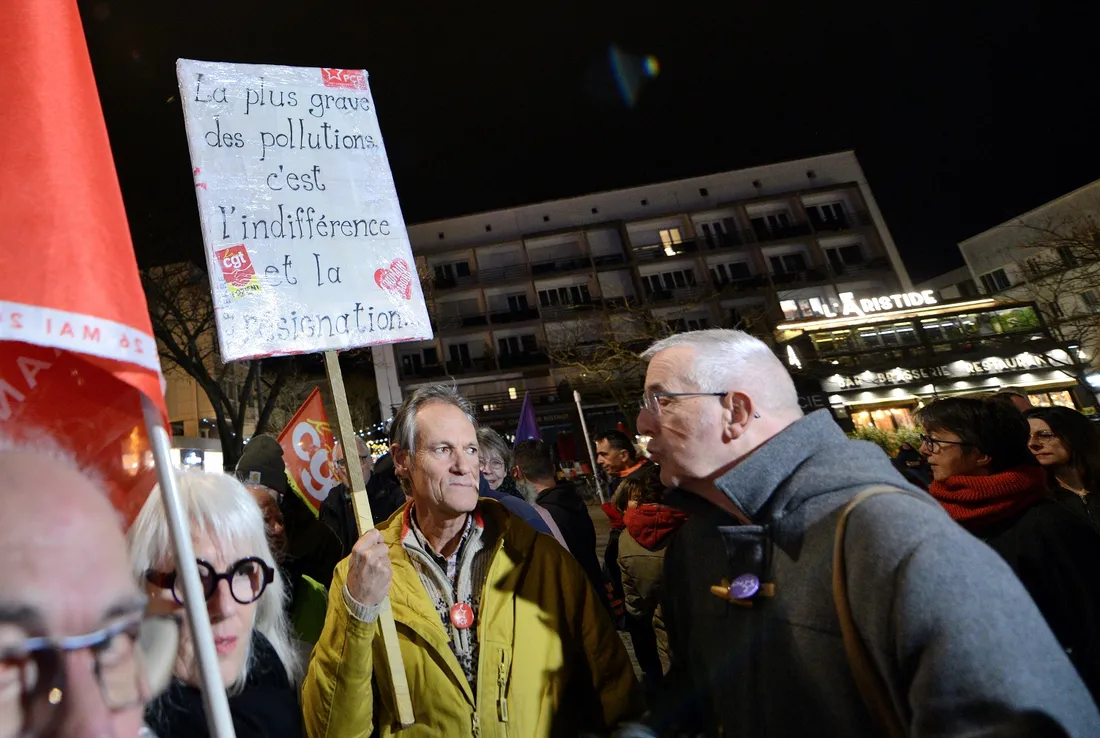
(751, 484)
(413, 610)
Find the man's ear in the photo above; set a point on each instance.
(737, 414)
(516, 473)
(401, 461)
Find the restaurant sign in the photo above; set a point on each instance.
(955, 370)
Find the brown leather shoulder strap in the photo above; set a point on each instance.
(871, 685)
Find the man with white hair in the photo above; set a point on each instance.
(499, 629)
(70, 613)
(952, 638)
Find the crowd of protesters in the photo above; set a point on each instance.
(772, 576)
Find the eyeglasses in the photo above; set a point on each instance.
(1043, 437)
(133, 663)
(248, 578)
(651, 401)
(495, 464)
(935, 445)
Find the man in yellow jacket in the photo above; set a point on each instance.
(500, 631)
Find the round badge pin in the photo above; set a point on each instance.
(744, 586)
(462, 615)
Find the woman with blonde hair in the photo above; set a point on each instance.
(245, 597)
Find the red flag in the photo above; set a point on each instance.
(307, 443)
(76, 345)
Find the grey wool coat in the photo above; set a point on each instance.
(962, 648)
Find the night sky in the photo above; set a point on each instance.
(963, 114)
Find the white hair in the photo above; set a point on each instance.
(219, 507)
(725, 360)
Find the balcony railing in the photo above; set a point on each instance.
(849, 221)
(526, 358)
(566, 311)
(471, 366)
(871, 265)
(450, 283)
(607, 260)
(560, 395)
(513, 316)
(552, 266)
(656, 251)
(444, 322)
(695, 292)
(425, 371)
(765, 234)
(806, 276)
(754, 283)
(499, 274)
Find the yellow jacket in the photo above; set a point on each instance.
(550, 662)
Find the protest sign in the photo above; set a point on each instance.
(305, 243)
(306, 247)
(307, 443)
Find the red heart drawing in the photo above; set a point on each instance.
(397, 279)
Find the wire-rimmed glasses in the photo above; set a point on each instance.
(651, 401)
(935, 445)
(132, 658)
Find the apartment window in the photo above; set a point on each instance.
(788, 263)
(411, 364)
(967, 288)
(448, 272)
(1069, 259)
(431, 356)
(517, 303)
(732, 272)
(770, 226)
(460, 354)
(1091, 300)
(177, 428)
(670, 238)
(846, 256)
(667, 281)
(697, 324)
(462, 269)
(575, 295)
(829, 216)
(515, 345)
(719, 232)
(1055, 310)
(995, 281)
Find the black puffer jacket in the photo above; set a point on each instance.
(267, 707)
(383, 492)
(571, 515)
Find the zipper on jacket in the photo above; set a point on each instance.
(502, 686)
(475, 726)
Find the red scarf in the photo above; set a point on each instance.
(978, 502)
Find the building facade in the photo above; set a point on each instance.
(878, 368)
(512, 291)
(1049, 255)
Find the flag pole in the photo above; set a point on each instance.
(216, 703)
(588, 446)
(360, 504)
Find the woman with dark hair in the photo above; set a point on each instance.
(1067, 444)
(987, 479)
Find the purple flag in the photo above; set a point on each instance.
(528, 427)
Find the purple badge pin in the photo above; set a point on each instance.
(744, 586)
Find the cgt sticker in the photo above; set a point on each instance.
(237, 270)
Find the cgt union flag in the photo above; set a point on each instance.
(307, 443)
(76, 348)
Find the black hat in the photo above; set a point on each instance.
(262, 463)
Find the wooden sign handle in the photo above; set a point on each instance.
(361, 505)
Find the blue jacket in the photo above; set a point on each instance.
(517, 507)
